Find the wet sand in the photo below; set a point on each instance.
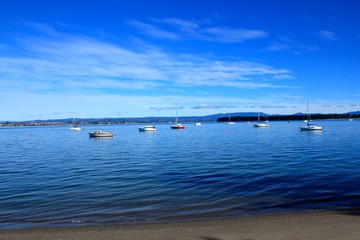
(306, 225)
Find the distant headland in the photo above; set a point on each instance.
(221, 117)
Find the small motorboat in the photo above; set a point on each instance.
(310, 127)
(147, 128)
(197, 124)
(99, 133)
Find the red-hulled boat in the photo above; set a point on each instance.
(177, 124)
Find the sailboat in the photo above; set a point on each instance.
(309, 126)
(74, 127)
(230, 122)
(259, 123)
(177, 124)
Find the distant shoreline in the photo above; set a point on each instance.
(153, 120)
(289, 117)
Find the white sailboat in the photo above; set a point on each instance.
(309, 126)
(259, 123)
(74, 127)
(230, 122)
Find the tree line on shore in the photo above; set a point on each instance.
(236, 117)
(285, 117)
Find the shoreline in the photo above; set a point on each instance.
(301, 225)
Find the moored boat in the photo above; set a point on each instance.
(310, 127)
(147, 128)
(230, 122)
(99, 133)
(261, 124)
(197, 124)
(74, 126)
(177, 124)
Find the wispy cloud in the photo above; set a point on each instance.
(283, 44)
(175, 29)
(56, 67)
(83, 63)
(328, 35)
(153, 31)
(186, 25)
(211, 106)
(167, 108)
(230, 35)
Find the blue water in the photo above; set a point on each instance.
(51, 176)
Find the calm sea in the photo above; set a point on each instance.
(51, 176)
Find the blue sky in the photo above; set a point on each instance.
(148, 58)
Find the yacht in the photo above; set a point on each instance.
(147, 128)
(310, 127)
(261, 124)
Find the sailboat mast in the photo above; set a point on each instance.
(307, 111)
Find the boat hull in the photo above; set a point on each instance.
(313, 128)
(261, 125)
(100, 134)
(178, 127)
(147, 129)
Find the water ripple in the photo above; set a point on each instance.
(51, 176)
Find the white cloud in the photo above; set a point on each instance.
(180, 23)
(209, 106)
(230, 35)
(85, 63)
(328, 35)
(175, 29)
(286, 44)
(68, 72)
(153, 31)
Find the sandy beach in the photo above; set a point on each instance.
(306, 225)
